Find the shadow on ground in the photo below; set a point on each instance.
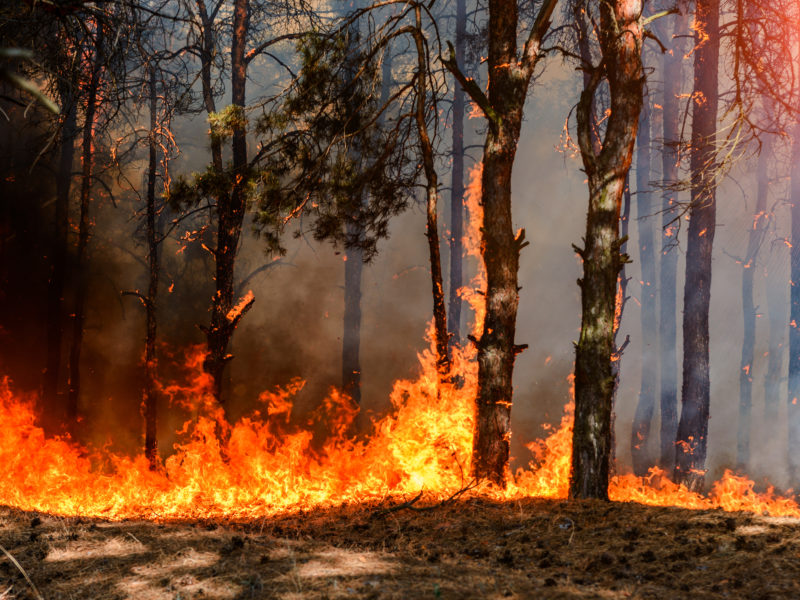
(470, 549)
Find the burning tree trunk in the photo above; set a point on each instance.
(778, 317)
(760, 220)
(692, 436)
(150, 395)
(793, 406)
(642, 420)
(225, 316)
(432, 195)
(509, 77)
(667, 291)
(87, 158)
(55, 290)
(620, 37)
(457, 186)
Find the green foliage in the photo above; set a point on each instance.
(223, 123)
(336, 156)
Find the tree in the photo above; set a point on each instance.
(692, 435)
(645, 210)
(749, 263)
(510, 71)
(620, 34)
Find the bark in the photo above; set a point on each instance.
(645, 408)
(150, 399)
(230, 215)
(87, 157)
(793, 405)
(668, 264)
(755, 239)
(602, 260)
(432, 196)
(778, 317)
(457, 187)
(692, 436)
(206, 61)
(55, 290)
(509, 77)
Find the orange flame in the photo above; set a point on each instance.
(261, 466)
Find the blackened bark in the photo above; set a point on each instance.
(87, 157)
(757, 232)
(230, 215)
(692, 437)
(668, 271)
(207, 47)
(432, 196)
(602, 261)
(457, 187)
(51, 378)
(645, 408)
(150, 399)
(793, 405)
(509, 77)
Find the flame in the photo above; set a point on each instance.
(263, 464)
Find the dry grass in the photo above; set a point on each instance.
(470, 549)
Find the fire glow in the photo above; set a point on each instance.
(257, 467)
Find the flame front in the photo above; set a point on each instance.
(258, 467)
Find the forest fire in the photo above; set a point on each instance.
(423, 446)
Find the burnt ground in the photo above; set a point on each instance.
(470, 549)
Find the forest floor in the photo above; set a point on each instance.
(473, 548)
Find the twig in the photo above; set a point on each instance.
(21, 570)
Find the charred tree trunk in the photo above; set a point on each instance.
(602, 261)
(150, 400)
(645, 408)
(749, 312)
(777, 297)
(230, 216)
(509, 77)
(692, 437)
(87, 157)
(457, 186)
(55, 290)
(432, 196)
(668, 264)
(206, 62)
(793, 406)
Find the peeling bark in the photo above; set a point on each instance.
(607, 171)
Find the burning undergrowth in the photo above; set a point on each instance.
(261, 466)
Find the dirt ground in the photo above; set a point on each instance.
(473, 548)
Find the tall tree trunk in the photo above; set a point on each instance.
(645, 408)
(150, 400)
(432, 196)
(668, 272)
(230, 216)
(778, 316)
(793, 406)
(692, 437)
(757, 231)
(87, 158)
(509, 77)
(607, 171)
(457, 186)
(58, 254)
